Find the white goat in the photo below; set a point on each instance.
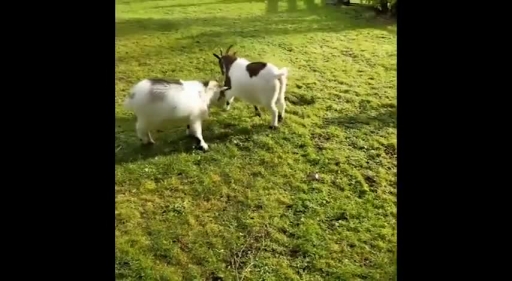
(257, 83)
(157, 100)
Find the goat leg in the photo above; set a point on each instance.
(275, 114)
(143, 133)
(196, 131)
(257, 111)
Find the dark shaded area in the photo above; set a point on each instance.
(132, 1)
(385, 117)
(292, 5)
(393, 9)
(329, 19)
(173, 139)
(204, 3)
(381, 7)
(310, 4)
(300, 99)
(272, 6)
(383, 4)
(129, 148)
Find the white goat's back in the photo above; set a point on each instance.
(165, 101)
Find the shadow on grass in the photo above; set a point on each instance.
(383, 118)
(134, 1)
(206, 3)
(173, 139)
(273, 5)
(314, 19)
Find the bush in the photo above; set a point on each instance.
(382, 6)
(392, 7)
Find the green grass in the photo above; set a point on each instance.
(247, 209)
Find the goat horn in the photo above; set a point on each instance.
(229, 48)
(221, 52)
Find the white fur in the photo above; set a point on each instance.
(267, 89)
(187, 103)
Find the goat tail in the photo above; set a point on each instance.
(283, 72)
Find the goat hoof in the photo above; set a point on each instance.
(149, 143)
(258, 114)
(202, 147)
(272, 127)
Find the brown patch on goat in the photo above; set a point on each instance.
(228, 61)
(225, 62)
(254, 68)
(227, 83)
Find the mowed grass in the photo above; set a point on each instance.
(248, 208)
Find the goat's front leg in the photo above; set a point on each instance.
(257, 111)
(196, 131)
(229, 102)
(143, 133)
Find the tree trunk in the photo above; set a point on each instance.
(393, 9)
(384, 7)
(272, 6)
(292, 5)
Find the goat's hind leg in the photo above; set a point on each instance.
(281, 103)
(281, 106)
(275, 116)
(143, 133)
(229, 102)
(196, 131)
(273, 108)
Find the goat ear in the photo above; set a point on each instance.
(224, 88)
(217, 56)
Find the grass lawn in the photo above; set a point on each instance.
(247, 209)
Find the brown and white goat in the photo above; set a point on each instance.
(257, 83)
